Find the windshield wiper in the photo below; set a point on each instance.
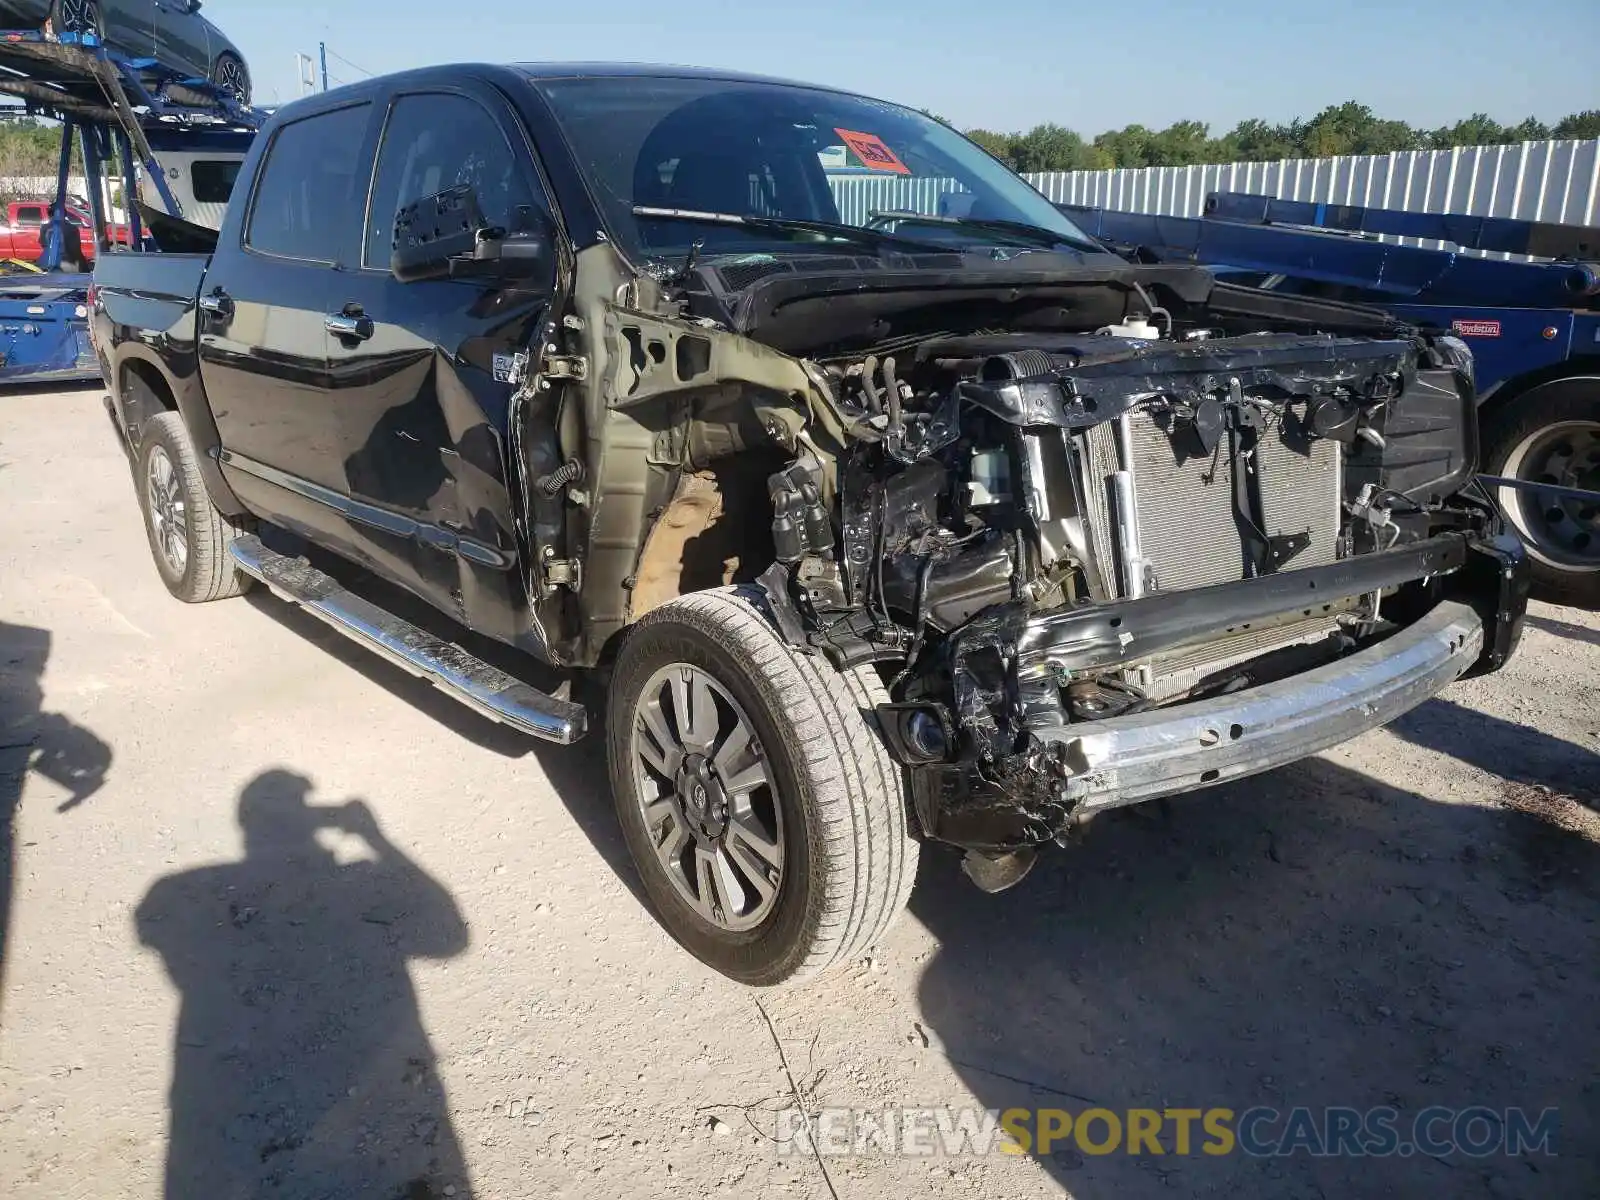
(875, 238)
(1032, 235)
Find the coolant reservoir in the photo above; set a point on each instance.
(990, 482)
(1133, 327)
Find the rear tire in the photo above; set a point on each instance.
(828, 810)
(189, 538)
(1552, 434)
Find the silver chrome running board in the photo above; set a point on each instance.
(481, 687)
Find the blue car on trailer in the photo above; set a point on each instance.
(112, 109)
(1532, 321)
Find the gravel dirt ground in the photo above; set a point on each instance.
(225, 978)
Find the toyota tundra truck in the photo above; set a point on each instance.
(887, 508)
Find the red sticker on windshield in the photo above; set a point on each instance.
(874, 155)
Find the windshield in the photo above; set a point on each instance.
(787, 152)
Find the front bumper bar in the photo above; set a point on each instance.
(1130, 759)
(1127, 631)
(1459, 602)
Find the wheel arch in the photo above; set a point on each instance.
(1581, 367)
(145, 392)
(1565, 569)
(144, 387)
(715, 532)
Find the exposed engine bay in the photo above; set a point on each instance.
(1037, 504)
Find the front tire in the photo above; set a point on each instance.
(77, 16)
(189, 537)
(1551, 434)
(766, 818)
(232, 76)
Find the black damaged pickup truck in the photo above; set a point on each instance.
(888, 508)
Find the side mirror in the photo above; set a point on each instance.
(446, 236)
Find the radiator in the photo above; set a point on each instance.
(1188, 534)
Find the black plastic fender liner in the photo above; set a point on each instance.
(1497, 581)
(773, 585)
(117, 427)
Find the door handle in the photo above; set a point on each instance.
(352, 323)
(217, 305)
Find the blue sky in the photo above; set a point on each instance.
(1001, 63)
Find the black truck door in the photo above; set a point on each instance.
(421, 374)
(264, 341)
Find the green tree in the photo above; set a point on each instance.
(1480, 129)
(1348, 128)
(31, 150)
(1051, 147)
(1530, 129)
(1127, 147)
(1329, 134)
(1256, 141)
(1585, 124)
(1001, 145)
(1101, 159)
(1387, 137)
(1182, 144)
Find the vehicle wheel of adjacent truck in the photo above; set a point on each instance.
(1551, 434)
(766, 817)
(189, 538)
(77, 16)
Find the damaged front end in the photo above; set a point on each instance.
(1104, 549)
(1106, 539)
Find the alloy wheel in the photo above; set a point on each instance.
(232, 79)
(706, 793)
(169, 517)
(79, 16)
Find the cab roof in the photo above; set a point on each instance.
(591, 70)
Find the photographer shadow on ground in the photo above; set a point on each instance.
(578, 774)
(300, 1063)
(49, 745)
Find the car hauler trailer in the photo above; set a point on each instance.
(116, 112)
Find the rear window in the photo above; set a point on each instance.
(307, 183)
(213, 181)
(30, 214)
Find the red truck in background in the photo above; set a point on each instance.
(22, 236)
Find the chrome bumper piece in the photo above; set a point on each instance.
(1132, 759)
